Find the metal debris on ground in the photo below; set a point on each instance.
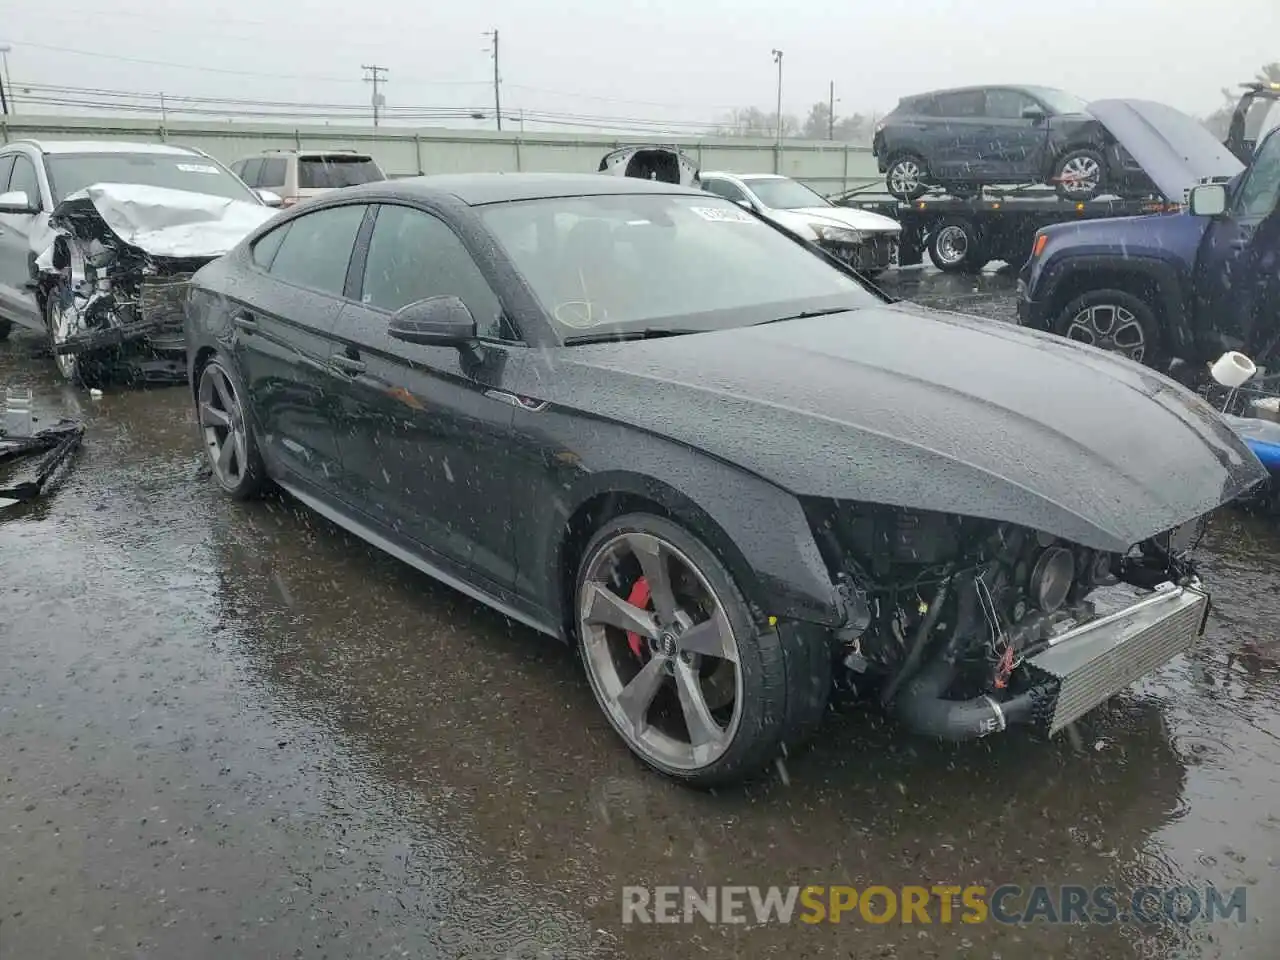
(38, 452)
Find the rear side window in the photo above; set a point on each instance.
(336, 170)
(317, 249)
(962, 103)
(273, 173)
(252, 169)
(264, 251)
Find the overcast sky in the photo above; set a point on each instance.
(685, 61)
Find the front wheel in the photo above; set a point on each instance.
(228, 442)
(695, 688)
(1080, 174)
(1112, 320)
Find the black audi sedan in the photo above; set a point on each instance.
(639, 418)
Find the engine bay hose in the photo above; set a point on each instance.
(919, 641)
(921, 707)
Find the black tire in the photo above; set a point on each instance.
(6, 328)
(901, 181)
(1087, 315)
(1068, 167)
(955, 247)
(810, 667)
(244, 476)
(777, 679)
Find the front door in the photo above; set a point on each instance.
(955, 141)
(282, 343)
(18, 173)
(1225, 282)
(1013, 149)
(423, 432)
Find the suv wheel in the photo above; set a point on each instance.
(905, 178)
(1079, 174)
(1115, 321)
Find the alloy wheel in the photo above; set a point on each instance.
(952, 245)
(63, 322)
(1080, 175)
(1110, 327)
(905, 176)
(660, 651)
(222, 425)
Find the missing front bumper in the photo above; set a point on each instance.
(1097, 660)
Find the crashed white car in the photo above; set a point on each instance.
(101, 240)
(866, 241)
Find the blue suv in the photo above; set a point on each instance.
(1172, 290)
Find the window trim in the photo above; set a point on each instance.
(360, 263)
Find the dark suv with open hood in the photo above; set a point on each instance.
(969, 137)
(1174, 286)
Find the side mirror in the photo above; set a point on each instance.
(1032, 113)
(269, 198)
(17, 202)
(1208, 200)
(434, 322)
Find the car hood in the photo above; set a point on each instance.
(899, 405)
(1175, 150)
(164, 222)
(862, 220)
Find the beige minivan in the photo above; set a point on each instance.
(295, 175)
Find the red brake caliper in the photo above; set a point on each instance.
(638, 597)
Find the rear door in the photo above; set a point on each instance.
(282, 344)
(956, 141)
(425, 444)
(1225, 280)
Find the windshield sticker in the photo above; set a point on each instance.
(197, 168)
(724, 214)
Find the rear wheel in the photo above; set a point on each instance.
(229, 444)
(956, 248)
(684, 675)
(1112, 320)
(906, 176)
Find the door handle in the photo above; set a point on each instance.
(245, 322)
(348, 361)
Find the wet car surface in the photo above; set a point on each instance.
(234, 730)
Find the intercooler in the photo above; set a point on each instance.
(1094, 662)
(161, 302)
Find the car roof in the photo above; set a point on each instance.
(105, 146)
(478, 189)
(743, 176)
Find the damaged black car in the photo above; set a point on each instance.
(104, 239)
(737, 489)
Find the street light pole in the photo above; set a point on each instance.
(5, 107)
(777, 58)
(831, 112)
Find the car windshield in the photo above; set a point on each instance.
(331, 172)
(1059, 101)
(635, 262)
(72, 172)
(784, 194)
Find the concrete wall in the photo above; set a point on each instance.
(826, 166)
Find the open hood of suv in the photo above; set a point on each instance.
(1175, 150)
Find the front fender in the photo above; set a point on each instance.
(1168, 280)
(579, 465)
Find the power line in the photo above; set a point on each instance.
(375, 78)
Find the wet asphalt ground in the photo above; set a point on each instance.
(234, 731)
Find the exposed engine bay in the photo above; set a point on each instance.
(115, 277)
(967, 625)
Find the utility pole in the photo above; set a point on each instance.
(831, 112)
(5, 81)
(497, 78)
(777, 58)
(376, 75)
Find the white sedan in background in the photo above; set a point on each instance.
(866, 241)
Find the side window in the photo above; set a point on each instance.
(24, 178)
(920, 107)
(1007, 104)
(272, 174)
(317, 249)
(264, 251)
(413, 255)
(238, 168)
(723, 188)
(252, 170)
(6, 165)
(962, 104)
(1260, 191)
